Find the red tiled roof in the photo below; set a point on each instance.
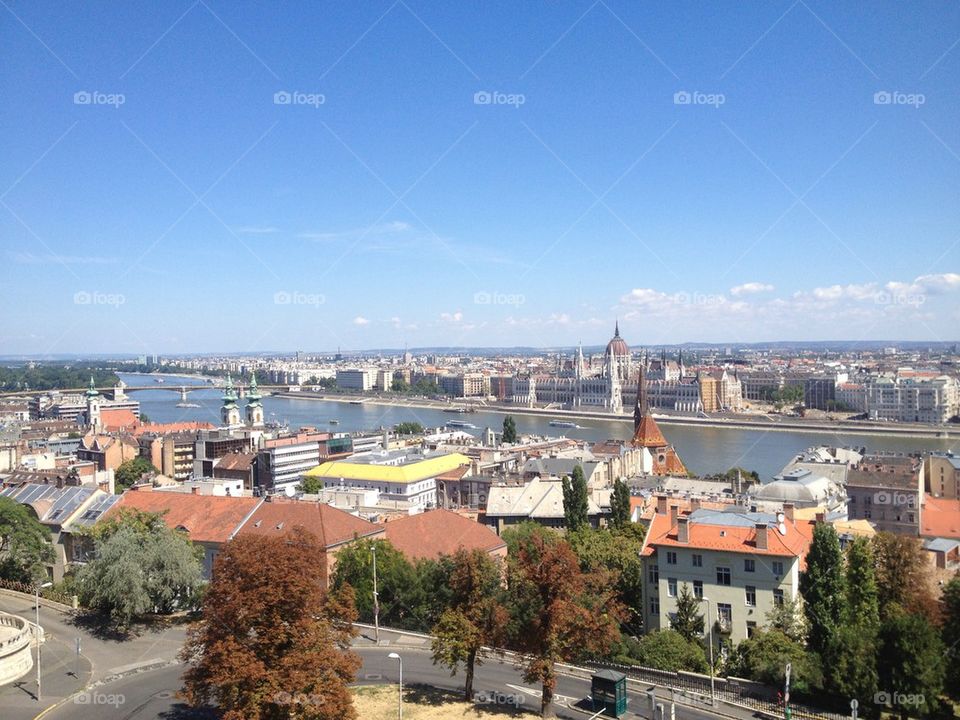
(117, 418)
(168, 428)
(648, 433)
(331, 525)
(206, 518)
(940, 517)
(455, 474)
(236, 461)
(431, 534)
(732, 538)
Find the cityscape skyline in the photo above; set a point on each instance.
(413, 174)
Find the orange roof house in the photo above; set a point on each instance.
(333, 527)
(433, 533)
(940, 517)
(646, 434)
(208, 520)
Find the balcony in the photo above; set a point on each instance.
(724, 626)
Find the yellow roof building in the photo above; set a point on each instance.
(406, 473)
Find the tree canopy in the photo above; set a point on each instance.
(140, 567)
(509, 430)
(25, 547)
(272, 643)
(130, 471)
(576, 513)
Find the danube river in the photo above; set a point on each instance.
(703, 449)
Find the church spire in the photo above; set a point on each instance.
(92, 390)
(616, 328)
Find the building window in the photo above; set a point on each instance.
(654, 606)
(671, 587)
(778, 597)
(654, 574)
(697, 560)
(778, 567)
(724, 613)
(751, 628)
(723, 576)
(749, 564)
(698, 589)
(671, 557)
(751, 595)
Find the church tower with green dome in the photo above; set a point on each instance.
(254, 406)
(229, 413)
(93, 406)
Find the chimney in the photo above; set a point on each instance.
(683, 530)
(761, 536)
(661, 504)
(788, 511)
(674, 514)
(694, 504)
(821, 517)
(194, 490)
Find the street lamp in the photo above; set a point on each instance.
(37, 633)
(395, 656)
(713, 697)
(376, 596)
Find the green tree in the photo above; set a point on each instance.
(669, 650)
(310, 485)
(509, 430)
(823, 588)
(558, 612)
(575, 508)
(951, 634)
(398, 584)
(850, 664)
(400, 386)
(688, 621)
(130, 472)
(619, 554)
(911, 663)
(474, 619)
(764, 657)
(25, 547)
(408, 428)
(134, 573)
(788, 617)
(620, 505)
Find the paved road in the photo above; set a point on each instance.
(150, 695)
(65, 672)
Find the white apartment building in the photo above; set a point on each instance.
(744, 563)
(355, 379)
(913, 398)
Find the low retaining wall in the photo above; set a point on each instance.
(16, 640)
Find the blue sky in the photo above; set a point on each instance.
(203, 176)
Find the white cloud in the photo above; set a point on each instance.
(454, 317)
(360, 320)
(388, 228)
(750, 288)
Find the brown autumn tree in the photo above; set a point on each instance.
(475, 617)
(559, 613)
(904, 579)
(272, 643)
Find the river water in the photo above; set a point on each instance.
(702, 449)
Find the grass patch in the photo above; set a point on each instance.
(422, 702)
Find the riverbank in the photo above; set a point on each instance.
(766, 423)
